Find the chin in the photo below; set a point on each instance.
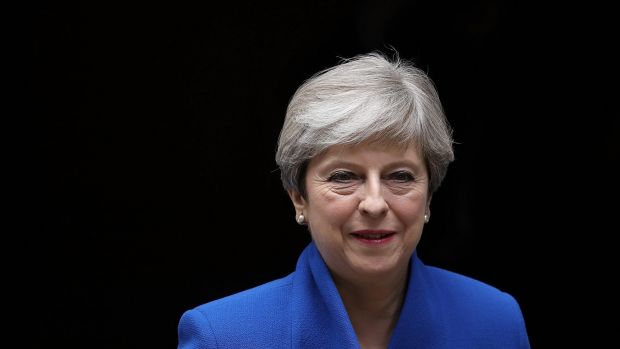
(378, 265)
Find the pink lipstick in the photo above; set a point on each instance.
(373, 237)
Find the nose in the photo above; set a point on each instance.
(372, 201)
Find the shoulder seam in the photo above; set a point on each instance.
(217, 345)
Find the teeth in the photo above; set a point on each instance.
(373, 236)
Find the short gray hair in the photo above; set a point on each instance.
(368, 97)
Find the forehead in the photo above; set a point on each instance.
(371, 152)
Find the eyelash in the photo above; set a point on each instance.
(345, 176)
(398, 176)
(338, 176)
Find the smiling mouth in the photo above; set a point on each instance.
(373, 237)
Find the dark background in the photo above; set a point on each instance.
(152, 129)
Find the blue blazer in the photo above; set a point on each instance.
(304, 310)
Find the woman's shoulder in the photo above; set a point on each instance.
(271, 291)
(475, 304)
(465, 288)
(240, 317)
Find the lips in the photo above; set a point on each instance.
(373, 236)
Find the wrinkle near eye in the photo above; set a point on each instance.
(326, 186)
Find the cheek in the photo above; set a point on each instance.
(333, 210)
(339, 214)
(409, 210)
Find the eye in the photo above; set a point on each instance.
(402, 176)
(342, 177)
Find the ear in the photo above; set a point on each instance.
(428, 203)
(298, 201)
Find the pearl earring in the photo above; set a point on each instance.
(301, 219)
(426, 218)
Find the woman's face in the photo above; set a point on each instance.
(365, 207)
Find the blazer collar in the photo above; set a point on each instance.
(420, 318)
(320, 319)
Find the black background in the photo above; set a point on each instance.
(152, 129)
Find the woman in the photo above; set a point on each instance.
(364, 146)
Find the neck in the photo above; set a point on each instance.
(373, 305)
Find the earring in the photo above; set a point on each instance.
(426, 218)
(301, 219)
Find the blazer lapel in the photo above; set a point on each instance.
(320, 319)
(420, 322)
